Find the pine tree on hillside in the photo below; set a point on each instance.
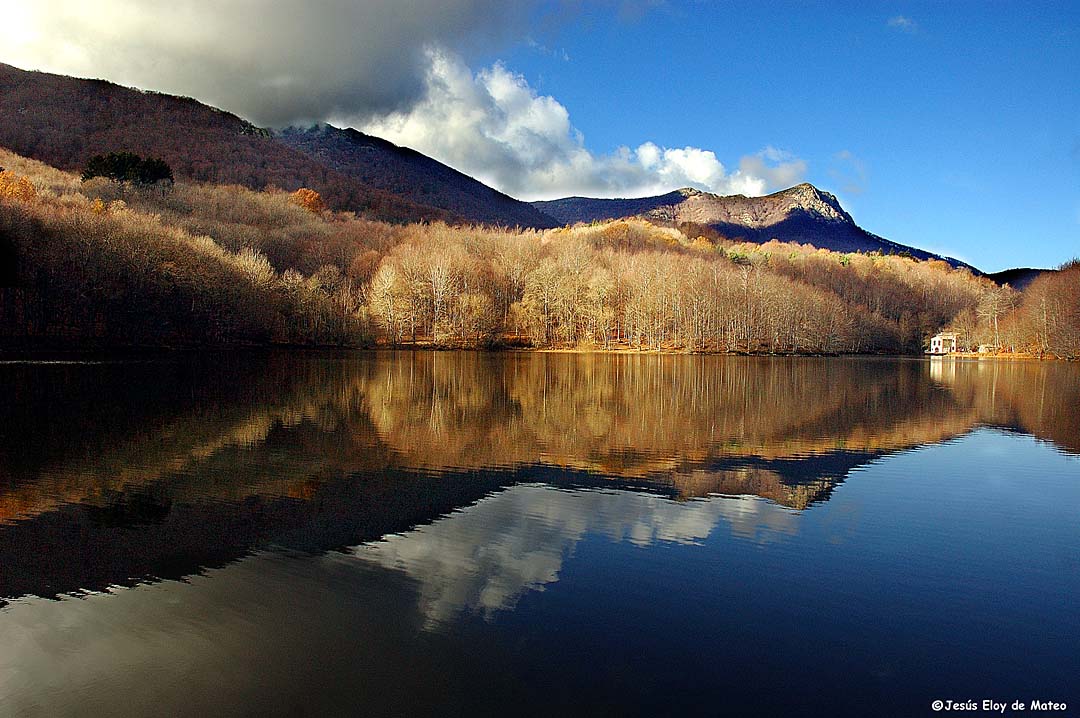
(128, 167)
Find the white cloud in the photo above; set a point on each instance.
(494, 126)
(849, 172)
(903, 23)
(484, 557)
(556, 53)
(273, 62)
(777, 168)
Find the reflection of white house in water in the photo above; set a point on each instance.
(943, 370)
(944, 343)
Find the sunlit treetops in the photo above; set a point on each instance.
(309, 199)
(210, 264)
(16, 187)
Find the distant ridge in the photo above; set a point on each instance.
(572, 210)
(1019, 277)
(802, 214)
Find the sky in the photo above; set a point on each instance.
(954, 127)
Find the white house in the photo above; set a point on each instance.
(944, 343)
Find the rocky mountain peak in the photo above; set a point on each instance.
(802, 214)
(810, 199)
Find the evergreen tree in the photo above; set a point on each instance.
(127, 167)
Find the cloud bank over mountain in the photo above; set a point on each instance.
(493, 125)
(392, 69)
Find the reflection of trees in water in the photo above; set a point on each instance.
(219, 428)
(120, 473)
(1037, 398)
(644, 416)
(282, 425)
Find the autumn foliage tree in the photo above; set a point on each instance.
(309, 199)
(16, 187)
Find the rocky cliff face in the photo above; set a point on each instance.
(802, 214)
(760, 212)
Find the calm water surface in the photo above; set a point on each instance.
(471, 534)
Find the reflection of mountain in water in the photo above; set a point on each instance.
(129, 472)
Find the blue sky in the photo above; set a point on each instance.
(950, 126)
(954, 127)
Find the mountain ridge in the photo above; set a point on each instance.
(803, 214)
(63, 121)
(1019, 278)
(397, 169)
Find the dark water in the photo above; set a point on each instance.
(470, 534)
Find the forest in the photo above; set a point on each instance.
(105, 264)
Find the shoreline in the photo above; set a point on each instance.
(102, 353)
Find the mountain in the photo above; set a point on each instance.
(1019, 277)
(407, 173)
(803, 214)
(63, 121)
(572, 210)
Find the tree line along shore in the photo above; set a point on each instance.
(104, 263)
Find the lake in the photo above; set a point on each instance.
(461, 533)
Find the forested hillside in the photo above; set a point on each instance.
(100, 263)
(412, 175)
(63, 121)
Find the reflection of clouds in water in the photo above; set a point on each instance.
(756, 519)
(484, 557)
